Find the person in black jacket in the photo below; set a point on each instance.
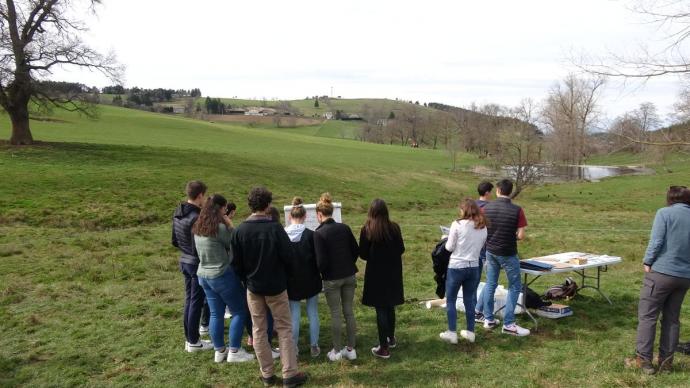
(336, 254)
(184, 218)
(262, 253)
(381, 245)
(304, 280)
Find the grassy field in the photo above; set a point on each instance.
(90, 292)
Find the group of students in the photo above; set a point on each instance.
(261, 272)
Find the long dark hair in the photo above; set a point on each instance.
(210, 216)
(378, 226)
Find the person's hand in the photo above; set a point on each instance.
(227, 220)
(647, 268)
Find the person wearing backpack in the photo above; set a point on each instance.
(304, 280)
(465, 241)
(666, 280)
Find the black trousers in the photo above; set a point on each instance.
(385, 322)
(194, 301)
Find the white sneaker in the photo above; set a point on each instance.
(468, 335)
(449, 336)
(516, 330)
(240, 356)
(349, 354)
(221, 356)
(275, 353)
(199, 346)
(203, 330)
(490, 325)
(227, 315)
(334, 355)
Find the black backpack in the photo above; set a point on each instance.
(533, 300)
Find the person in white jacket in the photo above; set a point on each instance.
(465, 241)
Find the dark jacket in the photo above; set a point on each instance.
(304, 280)
(184, 218)
(439, 259)
(383, 278)
(503, 218)
(262, 251)
(336, 250)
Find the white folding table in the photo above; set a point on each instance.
(562, 265)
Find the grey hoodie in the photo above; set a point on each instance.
(294, 231)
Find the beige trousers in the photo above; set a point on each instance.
(279, 307)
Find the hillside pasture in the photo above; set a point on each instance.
(91, 294)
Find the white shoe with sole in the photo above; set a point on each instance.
(468, 335)
(349, 354)
(203, 330)
(221, 356)
(449, 336)
(240, 355)
(275, 353)
(334, 355)
(199, 346)
(515, 330)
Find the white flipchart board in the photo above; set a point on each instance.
(311, 222)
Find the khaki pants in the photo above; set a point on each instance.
(279, 307)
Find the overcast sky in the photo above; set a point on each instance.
(455, 52)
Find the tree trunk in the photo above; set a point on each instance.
(21, 133)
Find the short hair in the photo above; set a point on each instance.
(194, 188)
(505, 185)
(259, 199)
(677, 194)
(484, 188)
(231, 206)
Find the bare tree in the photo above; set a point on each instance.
(36, 36)
(569, 113)
(520, 151)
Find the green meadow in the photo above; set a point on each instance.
(91, 294)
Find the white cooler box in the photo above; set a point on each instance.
(499, 299)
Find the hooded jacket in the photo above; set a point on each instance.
(304, 280)
(183, 219)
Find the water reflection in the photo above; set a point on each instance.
(560, 173)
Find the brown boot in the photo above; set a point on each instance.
(665, 364)
(640, 363)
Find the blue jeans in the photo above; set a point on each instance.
(467, 278)
(511, 264)
(312, 314)
(480, 295)
(226, 290)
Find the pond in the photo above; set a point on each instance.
(567, 173)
